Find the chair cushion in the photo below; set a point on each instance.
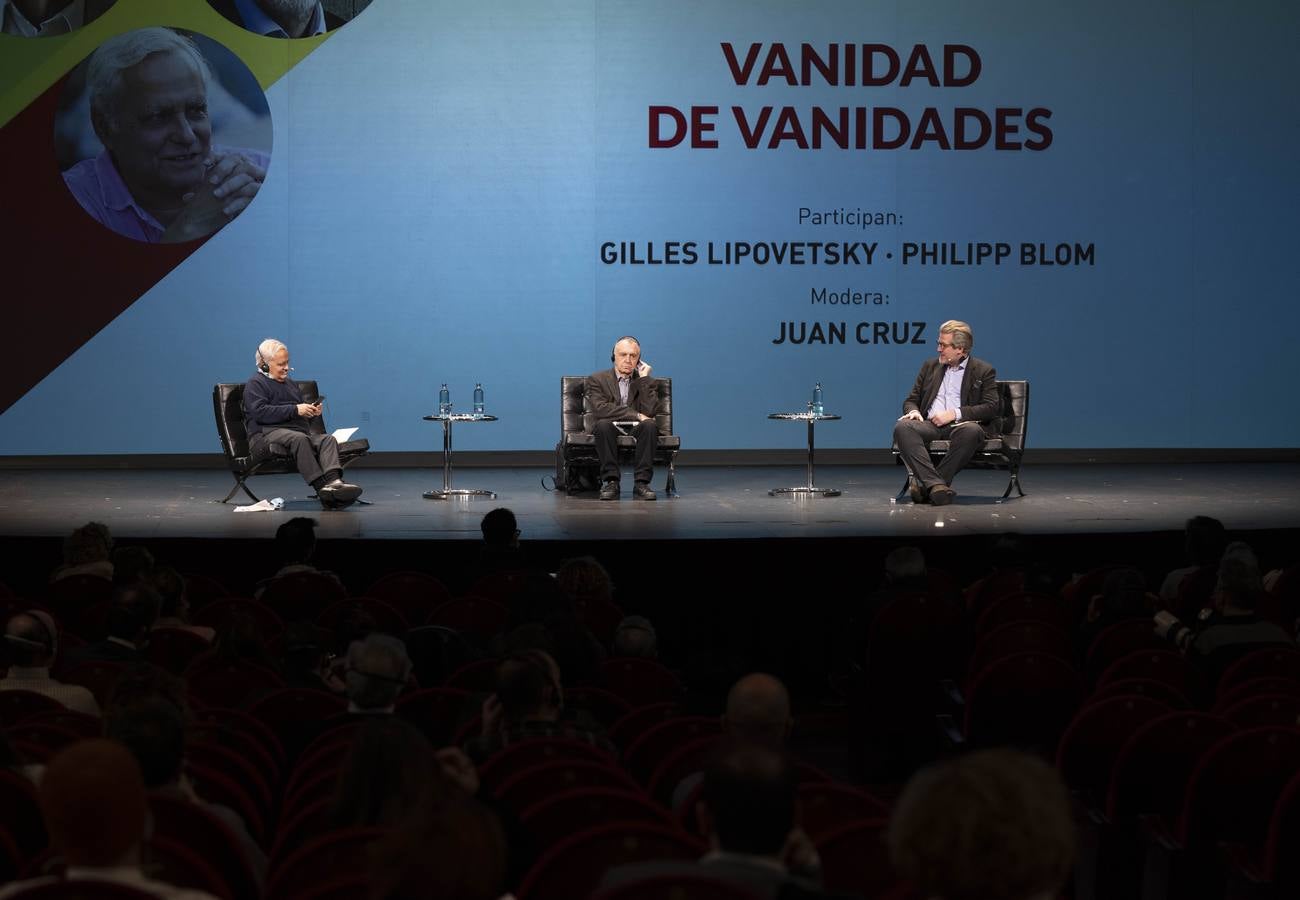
(666, 441)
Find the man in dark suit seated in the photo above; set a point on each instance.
(955, 399)
(624, 393)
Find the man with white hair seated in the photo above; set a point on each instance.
(278, 420)
(160, 177)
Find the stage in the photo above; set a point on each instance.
(715, 503)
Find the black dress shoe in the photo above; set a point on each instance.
(942, 495)
(642, 491)
(609, 490)
(914, 489)
(339, 493)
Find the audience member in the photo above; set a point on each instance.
(132, 563)
(585, 580)
(174, 609)
(528, 703)
(130, 619)
(307, 660)
(153, 729)
(905, 569)
(1231, 629)
(991, 825)
(32, 640)
(635, 636)
(390, 772)
(87, 551)
(377, 670)
(500, 550)
(748, 812)
(758, 714)
(1205, 540)
(295, 544)
(96, 812)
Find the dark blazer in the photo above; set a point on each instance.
(227, 8)
(979, 392)
(603, 404)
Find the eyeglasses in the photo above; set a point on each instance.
(944, 345)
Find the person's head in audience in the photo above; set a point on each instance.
(1206, 539)
(991, 825)
(635, 636)
(1240, 580)
(748, 801)
(153, 729)
(377, 670)
(390, 771)
(132, 563)
(132, 614)
(295, 540)
(90, 544)
(528, 687)
(92, 797)
(500, 530)
(758, 711)
(585, 580)
(905, 567)
(31, 639)
(170, 585)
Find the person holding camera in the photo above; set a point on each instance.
(1230, 629)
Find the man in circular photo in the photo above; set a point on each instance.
(160, 176)
(48, 18)
(289, 18)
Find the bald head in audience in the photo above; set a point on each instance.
(758, 711)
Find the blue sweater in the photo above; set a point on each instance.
(272, 404)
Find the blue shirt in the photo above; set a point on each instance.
(257, 21)
(949, 396)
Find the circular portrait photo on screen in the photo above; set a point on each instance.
(289, 18)
(162, 136)
(49, 18)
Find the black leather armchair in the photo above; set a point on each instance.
(1002, 452)
(575, 455)
(228, 408)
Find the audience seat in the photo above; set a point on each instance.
(97, 677)
(1023, 606)
(414, 594)
(855, 859)
(1255, 687)
(475, 616)
(570, 811)
(1282, 710)
(1142, 687)
(639, 681)
(1281, 862)
(677, 887)
(573, 866)
(1267, 662)
(43, 738)
(477, 676)
(1026, 700)
(174, 649)
(242, 722)
(602, 705)
(67, 596)
(189, 824)
(437, 711)
(202, 588)
(533, 751)
(1154, 764)
(386, 618)
(219, 613)
(296, 715)
(1092, 741)
(17, 706)
(659, 741)
(530, 786)
(824, 807)
(1168, 666)
(1117, 641)
(337, 854)
(640, 720)
(20, 814)
(218, 682)
(301, 596)
(683, 761)
(1021, 637)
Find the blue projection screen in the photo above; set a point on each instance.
(767, 194)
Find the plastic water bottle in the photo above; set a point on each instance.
(817, 407)
(444, 401)
(478, 399)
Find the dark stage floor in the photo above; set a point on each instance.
(725, 503)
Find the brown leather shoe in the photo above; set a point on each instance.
(915, 490)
